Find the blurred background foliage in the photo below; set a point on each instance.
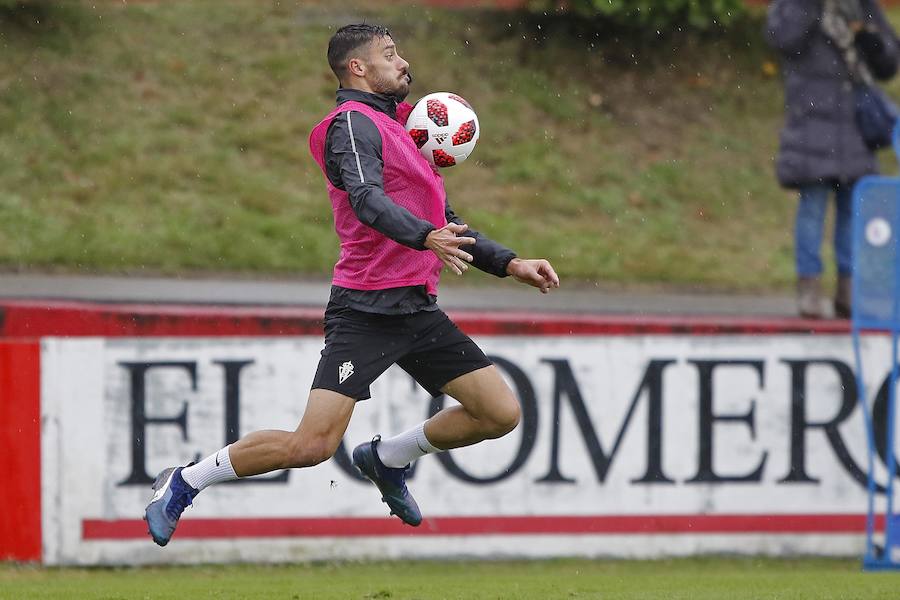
(651, 14)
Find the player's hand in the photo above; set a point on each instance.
(446, 245)
(536, 272)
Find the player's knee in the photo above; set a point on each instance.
(309, 451)
(319, 453)
(504, 418)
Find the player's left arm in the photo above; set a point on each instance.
(537, 272)
(487, 255)
(495, 258)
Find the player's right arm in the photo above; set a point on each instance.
(353, 161)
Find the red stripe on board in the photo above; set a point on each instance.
(522, 323)
(52, 318)
(20, 451)
(55, 318)
(128, 529)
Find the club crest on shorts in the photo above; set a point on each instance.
(345, 371)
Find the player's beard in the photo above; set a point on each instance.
(401, 96)
(396, 88)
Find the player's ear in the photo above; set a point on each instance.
(355, 66)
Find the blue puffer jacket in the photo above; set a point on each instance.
(820, 141)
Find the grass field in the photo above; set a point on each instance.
(688, 579)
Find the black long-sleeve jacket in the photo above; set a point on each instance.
(353, 163)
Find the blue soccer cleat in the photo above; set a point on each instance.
(171, 496)
(391, 482)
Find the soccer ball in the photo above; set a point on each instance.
(444, 128)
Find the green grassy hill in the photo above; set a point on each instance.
(170, 137)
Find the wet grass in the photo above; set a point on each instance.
(680, 579)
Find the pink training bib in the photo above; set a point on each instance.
(370, 260)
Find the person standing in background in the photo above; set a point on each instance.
(827, 47)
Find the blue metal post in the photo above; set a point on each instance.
(877, 308)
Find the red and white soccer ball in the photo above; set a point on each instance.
(444, 127)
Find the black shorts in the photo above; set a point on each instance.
(360, 346)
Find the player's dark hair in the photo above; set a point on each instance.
(347, 40)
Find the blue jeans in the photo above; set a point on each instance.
(811, 222)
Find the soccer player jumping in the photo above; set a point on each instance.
(397, 232)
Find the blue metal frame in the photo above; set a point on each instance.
(878, 558)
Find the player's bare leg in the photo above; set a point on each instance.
(488, 409)
(315, 440)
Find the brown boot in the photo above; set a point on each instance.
(809, 297)
(842, 297)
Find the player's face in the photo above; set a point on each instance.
(387, 73)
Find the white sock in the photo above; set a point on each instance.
(402, 449)
(215, 468)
